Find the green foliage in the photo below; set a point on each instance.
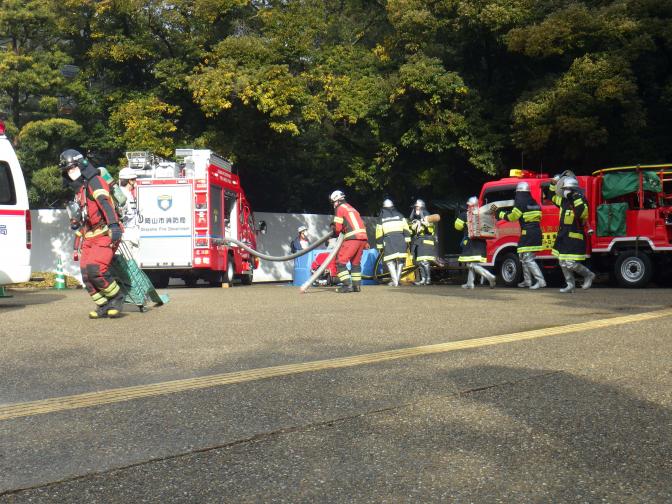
(404, 98)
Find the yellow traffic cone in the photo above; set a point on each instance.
(59, 281)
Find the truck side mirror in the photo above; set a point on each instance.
(262, 227)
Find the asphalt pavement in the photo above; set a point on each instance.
(580, 412)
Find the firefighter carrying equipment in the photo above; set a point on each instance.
(423, 242)
(98, 237)
(527, 211)
(392, 235)
(473, 250)
(570, 242)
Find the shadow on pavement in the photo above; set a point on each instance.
(22, 298)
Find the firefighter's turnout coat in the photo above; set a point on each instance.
(423, 242)
(570, 243)
(527, 211)
(392, 235)
(473, 249)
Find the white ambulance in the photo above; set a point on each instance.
(15, 223)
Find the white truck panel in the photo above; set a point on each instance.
(166, 225)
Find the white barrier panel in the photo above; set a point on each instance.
(53, 238)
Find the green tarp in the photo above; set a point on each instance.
(611, 219)
(619, 183)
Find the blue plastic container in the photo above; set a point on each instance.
(302, 265)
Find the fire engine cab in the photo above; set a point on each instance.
(629, 228)
(183, 206)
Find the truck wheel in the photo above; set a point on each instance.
(230, 272)
(159, 280)
(510, 270)
(215, 278)
(633, 270)
(247, 279)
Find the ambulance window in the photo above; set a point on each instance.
(499, 194)
(7, 193)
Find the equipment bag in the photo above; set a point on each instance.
(611, 219)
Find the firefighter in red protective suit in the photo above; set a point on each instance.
(98, 233)
(348, 221)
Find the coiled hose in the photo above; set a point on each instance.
(265, 257)
(307, 284)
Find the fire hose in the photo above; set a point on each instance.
(306, 285)
(266, 257)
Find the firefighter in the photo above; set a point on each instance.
(98, 233)
(528, 212)
(570, 243)
(301, 241)
(348, 221)
(473, 249)
(392, 238)
(422, 242)
(129, 212)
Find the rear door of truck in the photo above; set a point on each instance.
(166, 212)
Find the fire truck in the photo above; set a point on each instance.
(629, 228)
(185, 207)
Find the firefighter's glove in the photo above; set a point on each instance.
(115, 232)
(501, 215)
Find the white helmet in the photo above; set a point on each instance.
(419, 203)
(388, 203)
(302, 229)
(336, 196)
(523, 187)
(127, 174)
(473, 201)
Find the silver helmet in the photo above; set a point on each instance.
(473, 201)
(419, 203)
(388, 203)
(523, 187)
(336, 196)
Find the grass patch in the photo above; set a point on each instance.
(47, 281)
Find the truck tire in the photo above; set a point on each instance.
(247, 279)
(230, 272)
(509, 269)
(633, 270)
(215, 278)
(159, 279)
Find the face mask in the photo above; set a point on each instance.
(566, 192)
(74, 173)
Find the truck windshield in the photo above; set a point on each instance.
(499, 193)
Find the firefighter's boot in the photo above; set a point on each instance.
(485, 274)
(527, 278)
(115, 305)
(569, 278)
(99, 312)
(421, 271)
(588, 276)
(392, 268)
(400, 268)
(470, 279)
(428, 272)
(538, 276)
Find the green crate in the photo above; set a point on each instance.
(135, 285)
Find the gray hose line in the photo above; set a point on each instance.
(306, 285)
(265, 257)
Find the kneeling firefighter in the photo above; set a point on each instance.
(423, 243)
(392, 238)
(474, 250)
(348, 221)
(528, 212)
(98, 232)
(570, 244)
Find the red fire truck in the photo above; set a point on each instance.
(629, 225)
(183, 207)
